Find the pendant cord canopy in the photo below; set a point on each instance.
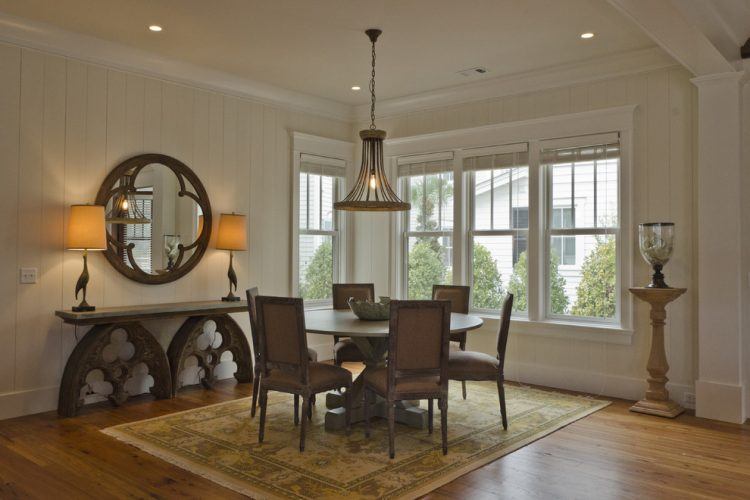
(372, 191)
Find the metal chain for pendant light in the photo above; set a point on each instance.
(372, 90)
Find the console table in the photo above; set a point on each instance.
(164, 367)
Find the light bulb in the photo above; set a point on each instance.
(125, 204)
(373, 182)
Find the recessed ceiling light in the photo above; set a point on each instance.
(155, 27)
(356, 87)
(587, 35)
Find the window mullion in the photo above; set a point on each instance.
(492, 199)
(534, 248)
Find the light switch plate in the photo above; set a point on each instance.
(28, 275)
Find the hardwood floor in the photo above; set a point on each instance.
(611, 454)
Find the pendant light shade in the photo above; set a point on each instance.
(125, 209)
(372, 192)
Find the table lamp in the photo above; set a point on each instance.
(233, 237)
(86, 232)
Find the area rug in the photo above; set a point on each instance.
(220, 442)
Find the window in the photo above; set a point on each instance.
(139, 234)
(428, 226)
(563, 247)
(539, 218)
(582, 229)
(498, 227)
(318, 238)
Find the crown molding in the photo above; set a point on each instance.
(625, 63)
(48, 38)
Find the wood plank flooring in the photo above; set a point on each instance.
(611, 454)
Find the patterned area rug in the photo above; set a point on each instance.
(220, 442)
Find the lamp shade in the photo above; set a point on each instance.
(86, 229)
(232, 232)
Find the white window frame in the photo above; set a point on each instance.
(460, 142)
(405, 194)
(589, 140)
(469, 178)
(337, 155)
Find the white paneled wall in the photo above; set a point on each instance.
(663, 189)
(64, 125)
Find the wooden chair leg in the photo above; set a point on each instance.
(310, 408)
(430, 412)
(256, 387)
(366, 410)
(391, 429)
(348, 407)
(296, 410)
(501, 396)
(263, 404)
(462, 346)
(444, 423)
(303, 429)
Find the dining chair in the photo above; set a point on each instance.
(312, 354)
(459, 298)
(417, 364)
(469, 365)
(284, 363)
(344, 349)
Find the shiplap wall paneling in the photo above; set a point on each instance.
(10, 103)
(66, 124)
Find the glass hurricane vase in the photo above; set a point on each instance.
(656, 240)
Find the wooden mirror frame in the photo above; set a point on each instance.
(183, 172)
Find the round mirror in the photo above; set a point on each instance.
(158, 218)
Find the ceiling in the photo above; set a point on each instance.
(319, 48)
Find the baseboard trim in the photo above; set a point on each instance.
(719, 401)
(20, 403)
(600, 384)
(16, 404)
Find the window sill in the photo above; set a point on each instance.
(566, 330)
(315, 306)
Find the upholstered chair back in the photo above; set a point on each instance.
(457, 295)
(281, 332)
(360, 291)
(418, 338)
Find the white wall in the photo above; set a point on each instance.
(663, 189)
(64, 125)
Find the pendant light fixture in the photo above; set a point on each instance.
(125, 210)
(372, 192)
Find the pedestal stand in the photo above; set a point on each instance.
(657, 400)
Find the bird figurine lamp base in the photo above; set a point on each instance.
(231, 297)
(83, 281)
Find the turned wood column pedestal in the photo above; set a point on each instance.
(657, 400)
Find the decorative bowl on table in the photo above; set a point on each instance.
(371, 311)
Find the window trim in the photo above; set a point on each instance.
(403, 190)
(338, 154)
(567, 127)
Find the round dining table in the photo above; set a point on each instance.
(371, 338)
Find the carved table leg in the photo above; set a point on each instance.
(373, 350)
(184, 345)
(88, 356)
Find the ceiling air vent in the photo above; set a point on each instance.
(478, 71)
